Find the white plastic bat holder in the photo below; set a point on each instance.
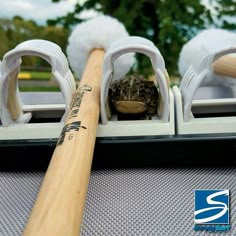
(10, 67)
(163, 123)
(190, 96)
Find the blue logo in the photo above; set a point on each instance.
(211, 207)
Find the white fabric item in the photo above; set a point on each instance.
(211, 40)
(98, 32)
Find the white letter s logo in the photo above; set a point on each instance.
(221, 205)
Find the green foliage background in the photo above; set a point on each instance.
(16, 30)
(168, 24)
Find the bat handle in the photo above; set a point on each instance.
(225, 66)
(58, 210)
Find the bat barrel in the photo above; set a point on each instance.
(226, 66)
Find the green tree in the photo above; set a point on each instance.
(17, 30)
(4, 45)
(169, 24)
(224, 13)
(58, 35)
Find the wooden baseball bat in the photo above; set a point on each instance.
(58, 210)
(225, 66)
(12, 101)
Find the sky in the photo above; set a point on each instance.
(38, 10)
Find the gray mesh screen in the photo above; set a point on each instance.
(124, 201)
(42, 98)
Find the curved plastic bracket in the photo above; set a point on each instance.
(10, 101)
(139, 45)
(197, 73)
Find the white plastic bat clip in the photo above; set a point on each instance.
(10, 101)
(139, 45)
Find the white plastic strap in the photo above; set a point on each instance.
(48, 51)
(140, 45)
(201, 69)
